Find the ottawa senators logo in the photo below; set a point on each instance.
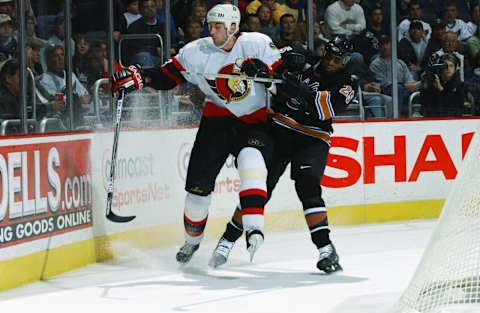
(230, 89)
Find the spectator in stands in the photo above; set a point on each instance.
(58, 38)
(80, 60)
(295, 8)
(382, 68)
(30, 30)
(319, 31)
(443, 94)
(10, 90)
(411, 48)
(6, 7)
(146, 52)
(474, 41)
(435, 41)
(253, 23)
(267, 26)
(96, 62)
(131, 14)
(286, 36)
(319, 47)
(8, 43)
(276, 10)
(414, 13)
(52, 85)
(367, 42)
(455, 25)
(449, 45)
(384, 5)
(199, 13)
(33, 57)
(193, 30)
(176, 35)
(345, 17)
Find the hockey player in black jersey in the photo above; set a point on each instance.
(301, 123)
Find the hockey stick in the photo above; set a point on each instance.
(242, 77)
(110, 215)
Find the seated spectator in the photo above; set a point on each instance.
(10, 90)
(199, 13)
(160, 15)
(443, 94)
(286, 36)
(8, 43)
(6, 7)
(267, 26)
(33, 57)
(449, 45)
(253, 23)
(435, 41)
(384, 5)
(80, 60)
(382, 68)
(367, 42)
(414, 13)
(58, 38)
(455, 25)
(52, 86)
(474, 41)
(276, 10)
(319, 46)
(131, 14)
(146, 52)
(30, 30)
(319, 30)
(96, 63)
(193, 30)
(295, 8)
(412, 48)
(345, 17)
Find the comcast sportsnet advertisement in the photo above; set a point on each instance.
(46, 189)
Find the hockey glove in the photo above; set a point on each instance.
(254, 67)
(300, 96)
(292, 62)
(131, 79)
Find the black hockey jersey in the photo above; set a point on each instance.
(307, 102)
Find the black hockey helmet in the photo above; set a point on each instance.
(341, 47)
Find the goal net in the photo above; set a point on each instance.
(448, 276)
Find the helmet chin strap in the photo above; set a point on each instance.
(228, 38)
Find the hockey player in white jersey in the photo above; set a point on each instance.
(233, 120)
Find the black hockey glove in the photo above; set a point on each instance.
(296, 95)
(291, 62)
(254, 67)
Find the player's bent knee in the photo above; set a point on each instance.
(251, 165)
(196, 207)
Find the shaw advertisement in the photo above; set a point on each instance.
(46, 189)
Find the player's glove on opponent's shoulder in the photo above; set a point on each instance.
(254, 67)
(130, 78)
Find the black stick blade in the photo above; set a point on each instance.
(119, 219)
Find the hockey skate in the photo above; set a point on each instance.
(186, 252)
(328, 259)
(221, 253)
(254, 241)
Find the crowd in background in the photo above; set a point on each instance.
(438, 47)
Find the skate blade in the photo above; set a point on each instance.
(255, 241)
(216, 261)
(332, 269)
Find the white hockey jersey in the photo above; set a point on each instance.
(243, 99)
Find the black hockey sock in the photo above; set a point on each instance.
(233, 231)
(321, 238)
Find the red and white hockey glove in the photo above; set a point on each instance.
(130, 79)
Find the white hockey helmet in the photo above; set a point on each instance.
(225, 13)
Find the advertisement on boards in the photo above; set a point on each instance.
(46, 189)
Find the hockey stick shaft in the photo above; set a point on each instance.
(243, 77)
(109, 214)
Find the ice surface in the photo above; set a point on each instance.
(378, 260)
